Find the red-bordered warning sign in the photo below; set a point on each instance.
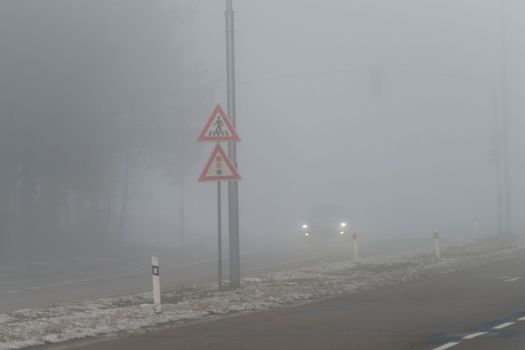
(218, 128)
(219, 167)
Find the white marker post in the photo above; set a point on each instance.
(356, 247)
(156, 283)
(438, 248)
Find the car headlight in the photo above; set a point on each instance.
(305, 226)
(342, 232)
(306, 234)
(343, 224)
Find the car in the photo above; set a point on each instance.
(327, 223)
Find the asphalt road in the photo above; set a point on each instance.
(63, 284)
(483, 303)
(113, 279)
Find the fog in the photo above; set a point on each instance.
(390, 110)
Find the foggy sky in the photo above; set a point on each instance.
(382, 107)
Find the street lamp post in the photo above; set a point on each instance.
(505, 158)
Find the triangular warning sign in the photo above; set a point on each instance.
(218, 128)
(219, 167)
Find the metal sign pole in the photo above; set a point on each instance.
(219, 233)
(233, 189)
(219, 167)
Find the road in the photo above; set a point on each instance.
(485, 304)
(62, 284)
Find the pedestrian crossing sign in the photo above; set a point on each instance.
(218, 128)
(219, 167)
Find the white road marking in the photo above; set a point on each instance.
(512, 279)
(33, 288)
(474, 335)
(447, 345)
(11, 292)
(521, 319)
(503, 325)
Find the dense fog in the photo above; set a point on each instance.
(389, 111)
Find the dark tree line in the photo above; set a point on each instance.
(91, 93)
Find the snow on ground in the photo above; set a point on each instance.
(121, 315)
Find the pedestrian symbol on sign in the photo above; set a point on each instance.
(219, 128)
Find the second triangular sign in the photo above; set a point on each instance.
(219, 167)
(219, 128)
